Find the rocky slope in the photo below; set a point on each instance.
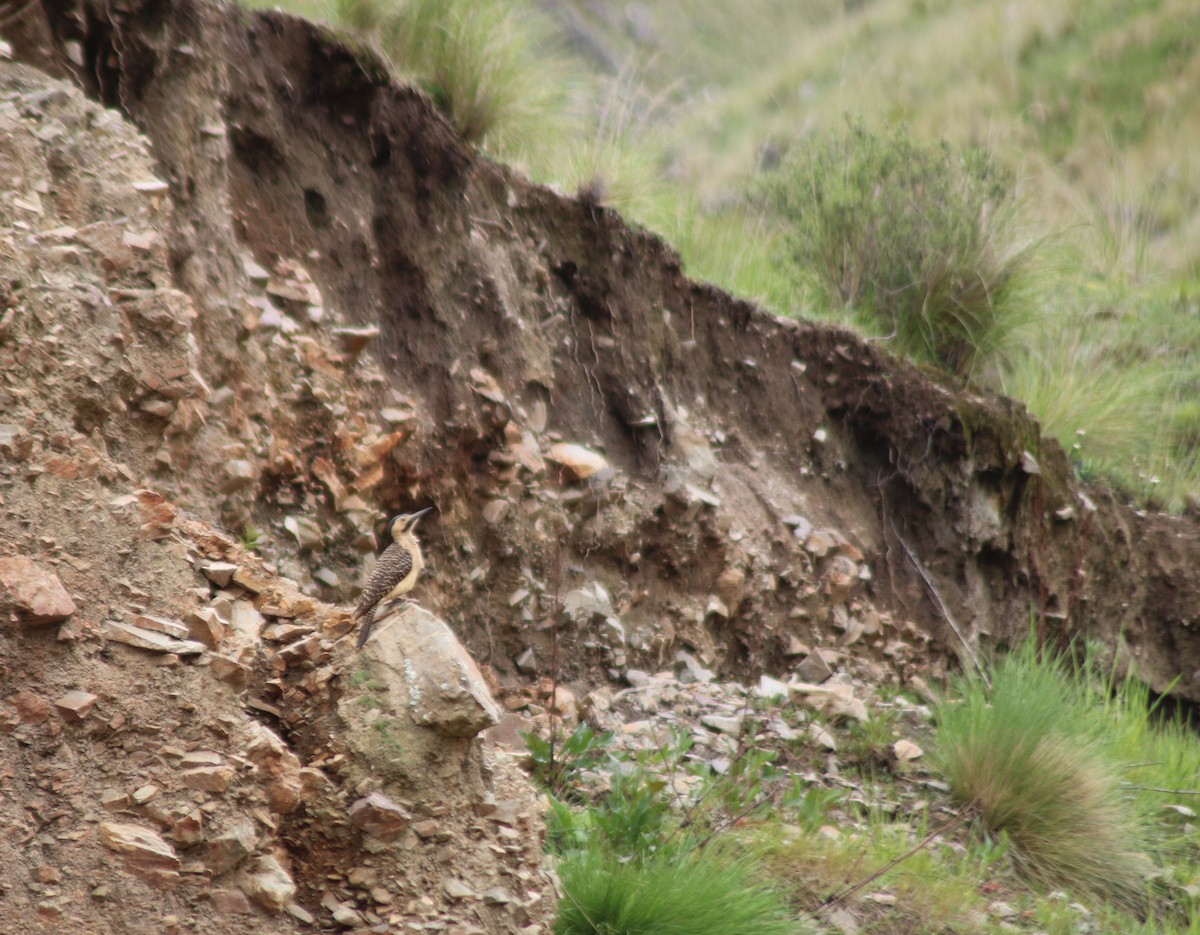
(299, 303)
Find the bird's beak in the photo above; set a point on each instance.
(412, 520)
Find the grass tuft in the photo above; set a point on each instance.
(705, 892)
(1027, 754)
(488, 64)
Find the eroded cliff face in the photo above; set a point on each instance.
(512, 315)
(303, 303)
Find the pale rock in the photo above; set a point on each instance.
(205, 626)
(526, 663)
(286, 632)
(76, 704)
(584, 604)
(822, 737)
(31, 708)
(380, 817)
(445, 689)
(189, 830)
(114, 800)
(219, 573)
(130, 635)
(298, 912)
(906, 750)
(354, 340)
(814, 669)
(229, 848)
(457, 889)
(226, 669)
(495, 511)
(693, 670)
(347, 915)
(239, 475)
(246, 620)
(835, 699)
(267, 883)
(278, 765)
(581, 463)
(724, 725)
(771, 688)
(231, 902)
(144, 794)
(251, 578)
(204, 770)
(161, 625)
(255, 273)
(36, 591)
(306, 531)
(561, 701)
(841, 578)
(145, 853)
(801, 527)
(821, 542)
(327, 577)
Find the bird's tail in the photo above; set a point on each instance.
(368, 620)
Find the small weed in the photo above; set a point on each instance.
(810, 806)
(388, 736)
(251, 539)
(559, 767)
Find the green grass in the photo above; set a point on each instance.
(489, 65)
(702, 892)
(1027, 755)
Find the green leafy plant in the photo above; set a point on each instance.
(251, 538)
(914, 241)
(558, 763)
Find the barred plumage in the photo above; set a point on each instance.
(395, 573)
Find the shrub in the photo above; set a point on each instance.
(914, 242)
(1027, 755)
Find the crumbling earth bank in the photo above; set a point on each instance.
(188, 339)
(513, 317)
(185, 743)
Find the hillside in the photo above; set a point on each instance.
(257, 296)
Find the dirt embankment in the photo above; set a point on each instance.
(961, 511)
(769, 494)
(274, 133)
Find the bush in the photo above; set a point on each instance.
(1027, 755)
(705, 892)
(914, 242)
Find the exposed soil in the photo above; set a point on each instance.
(774, 491)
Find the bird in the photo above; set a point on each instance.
(395, 573)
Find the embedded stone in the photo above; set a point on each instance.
(379, 816)
(268, 884)
(36, 591)
(145, 853)
(228, 849)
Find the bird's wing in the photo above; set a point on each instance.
(393, 565)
